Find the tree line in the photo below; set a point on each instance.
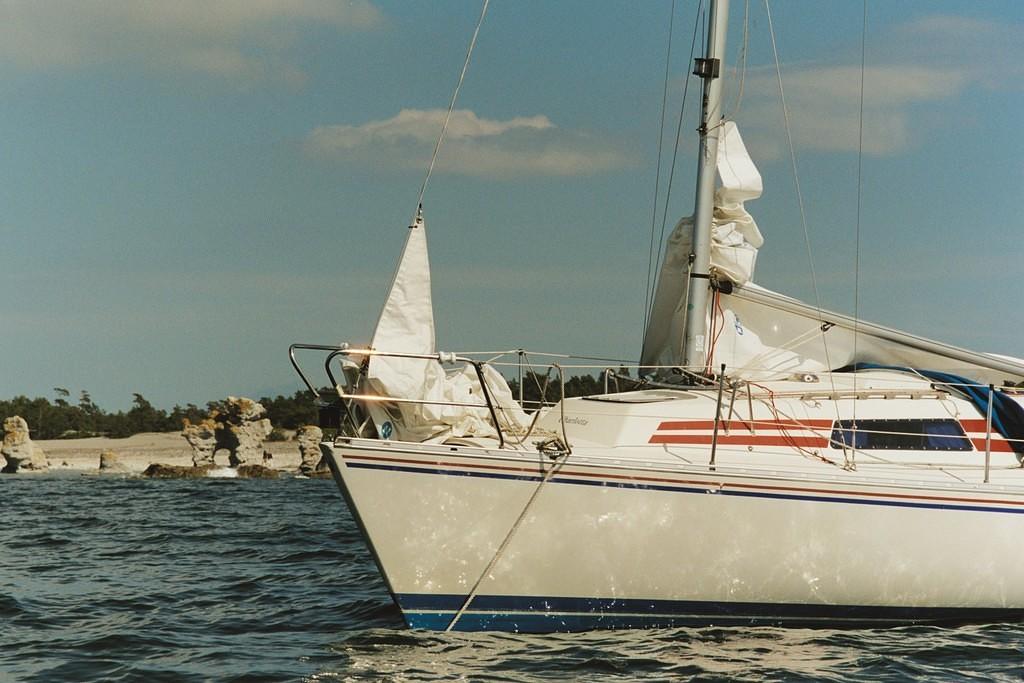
(67, 418)
(64, 418)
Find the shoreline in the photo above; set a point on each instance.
(139, 451)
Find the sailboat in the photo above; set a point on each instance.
(778, 465)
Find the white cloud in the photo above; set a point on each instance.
(992, 52)
(416, 125)
(473, 145)
(892, 85)
(935, 61)
(824, 103)
(235, 39)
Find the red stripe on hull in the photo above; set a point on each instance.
(767, 425)
(742, 440)
(999, 446)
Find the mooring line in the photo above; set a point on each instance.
(504, 544)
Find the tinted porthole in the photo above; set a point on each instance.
(926, 434)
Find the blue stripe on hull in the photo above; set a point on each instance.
(812, 497)
(548, 614)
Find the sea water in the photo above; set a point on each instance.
(128, 579)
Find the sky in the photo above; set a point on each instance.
(187, 188)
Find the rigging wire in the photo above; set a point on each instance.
(741, 63)
(860, 186)
(657, 173)
(451, 108)
(672, 168)
(799, 194)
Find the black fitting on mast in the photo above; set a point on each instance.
(706, 67)
(724, 286)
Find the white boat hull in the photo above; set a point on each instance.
(651, 545)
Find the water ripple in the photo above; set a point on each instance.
(123, 579)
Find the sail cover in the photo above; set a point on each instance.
(759, 334)
(406, 325)
(735, 240)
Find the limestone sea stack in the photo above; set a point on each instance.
(240, 427)
(202, 437)
(309, 437)
(18, 450)
(110, 463)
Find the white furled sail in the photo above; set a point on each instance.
(406, 325)
(761, 335)
(735, 240)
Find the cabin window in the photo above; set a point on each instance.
(927, 434)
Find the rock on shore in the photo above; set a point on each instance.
(139, 451)
(110, 463)
(18, 450)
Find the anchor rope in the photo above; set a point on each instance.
(557, 465)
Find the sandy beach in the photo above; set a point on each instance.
(139, 451)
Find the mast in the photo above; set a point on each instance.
(708, 68)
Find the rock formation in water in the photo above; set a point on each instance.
(256, 472)
(313, 462)
(240, 429)
(110, 463)
(202, 437)
(160, 471)
(18, 450)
